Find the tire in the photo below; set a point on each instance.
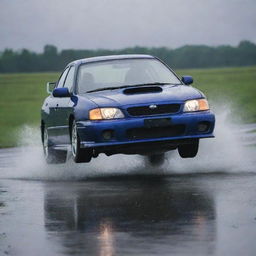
(157, 159)
(189, 150)
(80, 155)
(51, 155)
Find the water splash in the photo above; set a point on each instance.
(27, 162)
(227, 152)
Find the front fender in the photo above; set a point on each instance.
(82, 108)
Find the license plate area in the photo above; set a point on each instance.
(159, 122)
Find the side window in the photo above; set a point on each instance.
(62, 78)
(70, 78)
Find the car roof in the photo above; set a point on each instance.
(111, 57)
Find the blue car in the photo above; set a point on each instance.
(128, 104)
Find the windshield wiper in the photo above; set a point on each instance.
(127, 86)
(103, 89)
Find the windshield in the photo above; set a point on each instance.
(116, 73)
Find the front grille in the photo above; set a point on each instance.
(156, 110)
(155, 132)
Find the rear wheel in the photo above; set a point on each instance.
(80, 155)
(189, 150)
(51, 155)
(157, 159)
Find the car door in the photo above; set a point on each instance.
(53, 103)
(65, 108)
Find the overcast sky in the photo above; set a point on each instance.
(92, 24)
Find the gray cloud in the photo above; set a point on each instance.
(121, 23)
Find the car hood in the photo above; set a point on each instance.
(177, 93)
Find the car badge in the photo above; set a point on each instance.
(153, 106)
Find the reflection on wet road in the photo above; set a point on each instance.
(134, 216)
(209, 214)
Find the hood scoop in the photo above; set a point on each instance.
(144, 89)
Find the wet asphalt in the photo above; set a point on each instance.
(141, 214)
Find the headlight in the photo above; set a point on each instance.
(196, 105)
(105, 113)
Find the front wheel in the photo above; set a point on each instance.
(80, 155)
(51, 155)
(189, 150)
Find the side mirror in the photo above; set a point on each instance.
(187, 80)
(61, 92)
(50, 87)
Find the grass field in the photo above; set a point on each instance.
(22, 96)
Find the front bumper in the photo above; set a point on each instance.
(91, 132)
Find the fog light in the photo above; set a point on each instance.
(108, 134)
(203, 127)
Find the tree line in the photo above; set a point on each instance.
(189, 56)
